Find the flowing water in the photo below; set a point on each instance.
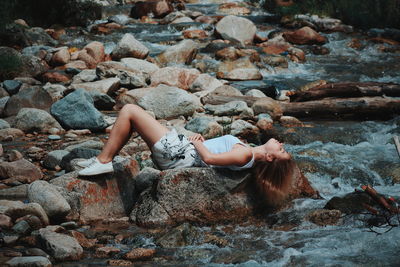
(343, 156)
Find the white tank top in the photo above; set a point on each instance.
(224, 144)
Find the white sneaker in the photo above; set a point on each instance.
(96, 168)
(86, 162)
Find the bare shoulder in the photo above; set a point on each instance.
(244, 150)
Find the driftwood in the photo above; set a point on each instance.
(358, 107)
(344, 90)
(379, 199)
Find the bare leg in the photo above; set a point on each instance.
(131, 117)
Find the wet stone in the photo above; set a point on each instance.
(4, 124)
(12, 86)
(36, 261)
(140, 254)
(22, 228)
(5, 222)
(54, 137)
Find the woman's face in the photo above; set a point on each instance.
(276, 149)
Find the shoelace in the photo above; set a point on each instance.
(91, 164)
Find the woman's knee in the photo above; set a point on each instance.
(130, 109)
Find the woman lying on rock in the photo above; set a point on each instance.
(273, 166)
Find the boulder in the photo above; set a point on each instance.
(53, 159)
(227, 109)
(36, 261)
(35, 120)
(141, 65)
(236, 29)
(9, 134)
(106, 86)
(20, 170)
(159, 8)
(33, 66)
(61, 57)
(267, 105)
(206, 126)
(17, 209)
(12, 86)
(128, 46)
(205, 82)
(275, 46)
(49, 198)
(4, 124)
(128, 77)
(32, 97)
(108, 196)
(55, 76)
(56, 91)
(5, 221)
(96, 51)
(183, 52)
(173, 76)
(305, 35)
(61, 247)
(233, 8)
(145, 179)
(169, 102)
(84, 76)
(245, 129)
(241, 74)
(255, 93)
(226, 90)
(76, 111)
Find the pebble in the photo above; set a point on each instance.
(54, 137)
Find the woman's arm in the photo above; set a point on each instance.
(238, 156)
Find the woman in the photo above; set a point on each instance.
(273, 165)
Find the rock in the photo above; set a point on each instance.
(56, 91)
(3, 103)
(109, 196)
(206, 126)
(305, 35)
(13, 155)
(296, 55)
(128, 78)
(106, 86)
(169, 102)
(145, 179)
(141, 65)
(183, 52)
(5, 222)
(102, 101)
(3, 93)
(15, 192)
(35, 120)
(268, 105)
(205, 82)
(227, 109)
(128, 46)
(17, 209)
(275, 46)
(182, 20)
(228, 53)
(121, 19)
(324, 217)
(55, 76)
(4, 124)
(32, 97)
(275, 61)
(241, 74)
(61, 57)
(244, 129)
(81, 152)
(159, 8)
(92, 144)
(12, 86)
(49, 198)
(36, 252)
(32, 261)
(201, 195)
(234, 8)
(61, 247)
(34, 222)
(289, 121)
(33, 66)
(20, 170)
(236, 29)
(96, 51)
(195, 34)
(83, 241)
(351, 203)
(10, 134)
(22, 228)
(137, 254)
(106, 252)
(76, 64)
(172, 76)
(226, 90)
(255, 93)
(84, 76)
(206, 20)
(76, 111)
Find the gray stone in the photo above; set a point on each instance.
(17, 209)
(32, 261)
(5, 222)
(36, 252)
(49, 198)
(53, 158)
(128, 46)
(54, 137)
(183, 52)
(241, 127)
(15, 192)
(56, 91)
(3, 92)
(92, 144)
(76, 111)
(36, 50)
(205, 82)
(3, 103)
(199, 124)
(140, 65)
(21, 170)
(227, 109)
(85, 76)
(12, 86)
(80, 152)
(61, 247)
(22, 228)
(106, 86)
(236, 29)
(145, 179)
(32, 97)
(35, 120)
(255, 93)
(4, 124)
(242, 74)
(102, 101)
(169, 102)
(70, 225)
(121, 19)
(33, 66)
(226, 90)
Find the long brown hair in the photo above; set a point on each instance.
(274, 179)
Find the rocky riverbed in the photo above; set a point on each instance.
(60, 101)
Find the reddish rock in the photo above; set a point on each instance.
(76, 64)
(88, 59)
(61, 57)
(82, 240)
(227, 53)
(96, 51)
(105, 252)
(274, 49)
(119, 263)
(195, 34)
(297, 55)
(234, 8)
(21, 170)
(55, 33)
(5, 222)
(140, 254)
(10, 134)
(178, 77)
(55, 77)
(305, 35)
(206, 19)
(159, 8)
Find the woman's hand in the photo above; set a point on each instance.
(196, 137)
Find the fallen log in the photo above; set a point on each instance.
(346, 108)
(354, 108)
(345, 90)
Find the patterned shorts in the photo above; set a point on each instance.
(174, 150)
